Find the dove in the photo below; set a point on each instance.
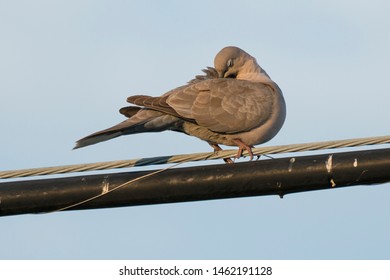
(235, 103)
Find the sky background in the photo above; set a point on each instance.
(66, 67)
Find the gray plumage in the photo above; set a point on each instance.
(235, 104)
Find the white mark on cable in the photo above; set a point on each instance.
(290, 166)
(355, 163)
(106, 186)
(329, 163)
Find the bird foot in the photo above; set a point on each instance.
(241, 147)
(217, 149)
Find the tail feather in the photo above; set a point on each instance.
(143, 121)
(90, 140)
(97, 137)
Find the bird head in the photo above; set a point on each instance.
(233, 62)
(230, 61)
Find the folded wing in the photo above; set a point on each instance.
(221, 105)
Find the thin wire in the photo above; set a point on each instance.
(194, 157)
(105, 192)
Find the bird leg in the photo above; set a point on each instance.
(217, 149)
(241, 147)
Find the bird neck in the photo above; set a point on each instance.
(253, 72)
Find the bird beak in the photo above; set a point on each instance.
(221, 74)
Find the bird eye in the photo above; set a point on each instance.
(229, 63)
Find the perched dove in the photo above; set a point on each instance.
(234, 104)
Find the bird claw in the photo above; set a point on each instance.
(241, 147)
(228, 160)
(217, 149)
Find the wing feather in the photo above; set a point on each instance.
(221, 105)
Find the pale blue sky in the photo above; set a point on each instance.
(68, 66)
